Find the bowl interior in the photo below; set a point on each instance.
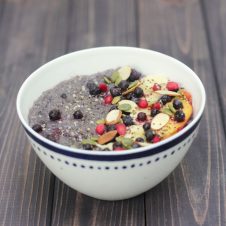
(99, 59)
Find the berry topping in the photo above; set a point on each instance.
(156, 87)
(135, 145)
(54, 115)
(138, 92)
(154, 112)
(121, 129)
(100, 129)
(119, 149)
(115, 91)
(63, 95)
(128, 120)
(129, 96)
(139, 139)
(177, 104)
(165, 99)
(117, 145)
(147, 126)
(37, 128)
(110, 128)
(143, 103)
(179, 116)
(156, 105)
(172, 86)
(123, 85)
(93, 88)
(87, 146)
(78, 114)
(135, 75)
(156, 139)
(108, 99)
(114, 107)
(103, 87)
(141, 116)
(149, 134)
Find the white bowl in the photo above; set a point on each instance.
(111, 175)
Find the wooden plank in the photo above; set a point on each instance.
(97, 23)
(26, 186)
(214, 13)
(194, 194)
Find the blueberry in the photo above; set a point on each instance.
(149, 134)
(165, 99)
(127, 120)
(114, 107)
(135, 75)
(141, 116)
(78, 114)
(63, 95)
(54, 115)
(129, 96)
(123, 85)
(94, 91)
(138, 92)
(146, 126)
(87, 146)
(115, 91)
(37, 128)
(110, 128)
(139, 139)
(179, 116)
(154, 112)
(135, 145)
(117, 145)
(177, 104)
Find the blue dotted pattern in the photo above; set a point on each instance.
(124, 167)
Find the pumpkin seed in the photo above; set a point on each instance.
(88, 141)
(132, 84)
(116, 100)
(107, 80)
(124, 107)
(115, 75)
(100, 121)
(167, 111)
(172, 108)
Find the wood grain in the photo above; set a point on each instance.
(97, 23)
(194, 194)
(214, 13)
(26, 186)
(33, 32)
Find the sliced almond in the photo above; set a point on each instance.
(129, 102)
(113, 117)
(167, 92)
(159, 121)
(131, 89)
(107, 137)
(125, 72)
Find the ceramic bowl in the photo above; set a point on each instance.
(111, 175)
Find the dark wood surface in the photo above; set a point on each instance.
(33, 32)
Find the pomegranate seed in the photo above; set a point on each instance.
(172, 86)
(103, 87)
(143, 103)
(121, 129)
(156, 139)
(156, 105)
(100, 129)
(119, 149)
(156, 87)
(108, 99)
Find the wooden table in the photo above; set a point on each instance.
(33, 32)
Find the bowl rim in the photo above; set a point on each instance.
(70, 151)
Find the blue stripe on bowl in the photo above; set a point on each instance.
(87, 155)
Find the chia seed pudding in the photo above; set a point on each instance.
(117, 109)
